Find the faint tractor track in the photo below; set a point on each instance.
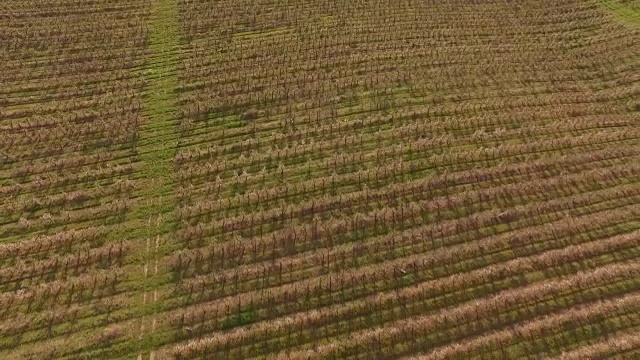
(156, 148)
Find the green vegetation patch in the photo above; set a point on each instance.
(627, 11)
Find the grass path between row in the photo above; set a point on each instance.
(157, 147)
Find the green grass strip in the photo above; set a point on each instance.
(156, 148)
(627, 12)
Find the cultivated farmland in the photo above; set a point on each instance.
(289, 179)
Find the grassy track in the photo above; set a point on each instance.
(157, 142)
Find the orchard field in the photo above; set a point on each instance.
(319, 179)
